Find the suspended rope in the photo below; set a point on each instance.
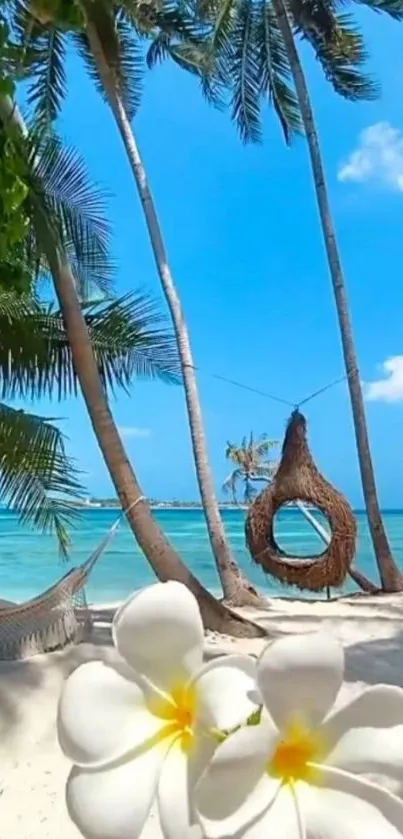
(272, 396)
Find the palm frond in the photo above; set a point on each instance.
(275, 73)
(245, 72)
(60, 179)
(159, 49)
(130, 341)
(39, 55)
(250, 491)
(128, 335)
(37, 479)
(47, 86)
(234, 453)
(121, 49)
(393, 8)
(230, 483)
(338, 46)
(265, 445)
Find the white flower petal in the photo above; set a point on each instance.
(367, 734)
(300, 674)
(159, 632)
(281, 820)
(180, 772)
(224, 690)
(102, 715)
(114, 803)
(346, 807)
(235, 789)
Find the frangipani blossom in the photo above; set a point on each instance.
(295, 774)
(143, 732)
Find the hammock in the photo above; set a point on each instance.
(58, 617)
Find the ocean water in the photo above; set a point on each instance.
(29, 561)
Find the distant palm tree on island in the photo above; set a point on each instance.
(251, 465)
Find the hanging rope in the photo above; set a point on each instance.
(273, 397)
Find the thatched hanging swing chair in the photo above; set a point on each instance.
(297, 478)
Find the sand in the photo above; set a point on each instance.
(33, 770)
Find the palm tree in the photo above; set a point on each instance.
(251, 465)
(51, 239)
(37, 478)
(106, 35)
(254, 45)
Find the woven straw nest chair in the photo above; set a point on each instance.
(297, 478)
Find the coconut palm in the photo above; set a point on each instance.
(255, 49)
(37, 478)
(57, 252)
(107, 36)
(251, 465)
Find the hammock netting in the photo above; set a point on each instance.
(58, 617)
(297, 478)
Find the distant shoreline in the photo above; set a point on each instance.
(111, 504)
(155, 505)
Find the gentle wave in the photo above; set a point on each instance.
(29, 562)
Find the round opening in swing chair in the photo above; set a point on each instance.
(301, 531)
(298, 480)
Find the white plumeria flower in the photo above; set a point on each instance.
(295, 774)
(145, 731)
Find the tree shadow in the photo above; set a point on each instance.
(20, 680)
(376, 661)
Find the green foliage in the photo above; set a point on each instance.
(37, 479)
(129, 341)
(122, 51)
(249, 59)
(40, 31)
(128, 335)
(66, 14)
(251, 465)
(255, 717)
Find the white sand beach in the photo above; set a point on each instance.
(32, 769)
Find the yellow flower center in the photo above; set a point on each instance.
(298, 748)
(179, 711)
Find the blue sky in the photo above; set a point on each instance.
(242, 233)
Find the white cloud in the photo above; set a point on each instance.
(390, 387)
(132, 431)
(378, 157)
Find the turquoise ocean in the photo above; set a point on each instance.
(29, 561)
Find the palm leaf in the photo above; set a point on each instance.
(230, 483)
(47, 87)
(60, 180)
(37, 479)
(275, 73)
(245, 73)
(393, 8)
(128, 335)
(338, 45)
(264, 446)
(121, 49)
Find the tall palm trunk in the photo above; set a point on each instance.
(163, 559)
(391, 578)
(238, 591)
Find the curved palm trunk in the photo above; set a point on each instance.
(163, 559)
(238, 591)
(391, 578)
